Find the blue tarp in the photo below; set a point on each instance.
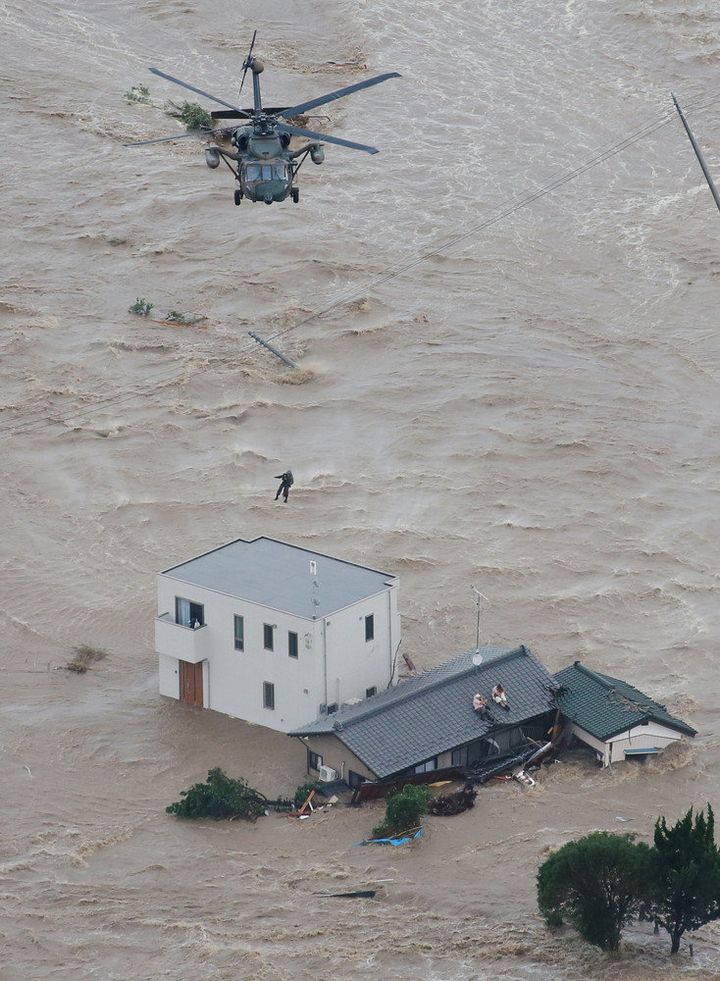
(405, 840)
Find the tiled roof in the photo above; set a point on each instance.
(277, 574)
(433, 713)
(606, 706)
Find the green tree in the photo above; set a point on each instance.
(686, 865)
(404, 809)
(600, 883)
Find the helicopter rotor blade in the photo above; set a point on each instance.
(324, 138)
(197, 134)
(192, 88)
(247, 62)
(338, 94)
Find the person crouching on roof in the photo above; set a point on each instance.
(499, 697)
(479, 703)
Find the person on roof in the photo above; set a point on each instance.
(479, 703)
(286, 482)
(499, 697)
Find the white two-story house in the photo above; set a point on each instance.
(275, 634)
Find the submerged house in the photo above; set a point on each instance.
(428, 722)
(275, 634)
(618, 721)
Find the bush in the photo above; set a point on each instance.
(141, 307)
(184, 319)
(192, 115)
(83, 657)
(403, 811)
(600, 883)
(138, 93)
(220, 797)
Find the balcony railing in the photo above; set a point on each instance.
(185, 643)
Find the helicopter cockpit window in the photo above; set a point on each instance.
(253, 172)
(280, 172)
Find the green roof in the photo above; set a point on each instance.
(605, 706)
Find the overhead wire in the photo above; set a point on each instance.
(358, 290)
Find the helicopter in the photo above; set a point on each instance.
(262, 162)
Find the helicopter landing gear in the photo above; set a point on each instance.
(238, 196)
(295, 193)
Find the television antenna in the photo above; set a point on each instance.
(477, 658)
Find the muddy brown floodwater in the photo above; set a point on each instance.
(533, 410)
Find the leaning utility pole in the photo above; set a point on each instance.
(698, 152)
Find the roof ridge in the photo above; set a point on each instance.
(340, 724)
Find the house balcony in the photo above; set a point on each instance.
(185, 643)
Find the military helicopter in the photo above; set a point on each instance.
(263, 164)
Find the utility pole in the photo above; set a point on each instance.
(698, 152)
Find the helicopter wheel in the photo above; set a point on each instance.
(295, 192)
(238, 196)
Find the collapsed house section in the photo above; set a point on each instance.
(615, 719)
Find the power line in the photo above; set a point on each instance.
(358, 290)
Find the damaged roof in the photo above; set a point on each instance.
(424, 716)
(605, 706)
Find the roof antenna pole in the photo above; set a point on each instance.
(698, 152)
(478, 657)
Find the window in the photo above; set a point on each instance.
(269, 637)
(292, 644)
(252, 172)
(189, 614)
(280, 171)
(332, 708)
(427, 766)
(314, 760)
(369, 692)
(239, 633)
(370, 627)
(459, 756)
(354, 779)
(268, 695)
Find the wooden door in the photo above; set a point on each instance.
(191, 684)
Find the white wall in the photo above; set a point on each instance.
(642, 737)
(602, 749)
(233, 680)
(354, 664)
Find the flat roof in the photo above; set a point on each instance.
(277, 575)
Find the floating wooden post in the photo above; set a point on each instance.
(698, 152)
(273, 350)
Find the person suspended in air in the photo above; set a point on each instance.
(286, 482)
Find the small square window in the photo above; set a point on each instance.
(268, 695)
(239, 633)
(332, 708)
(314, 760)
(268, 637)
(354, 779)
(369, 692)
(370, 627)
(292, 644)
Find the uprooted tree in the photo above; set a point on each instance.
(600, 883)
(221, 797)
(686, 872)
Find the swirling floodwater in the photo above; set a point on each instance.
(527, 404)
